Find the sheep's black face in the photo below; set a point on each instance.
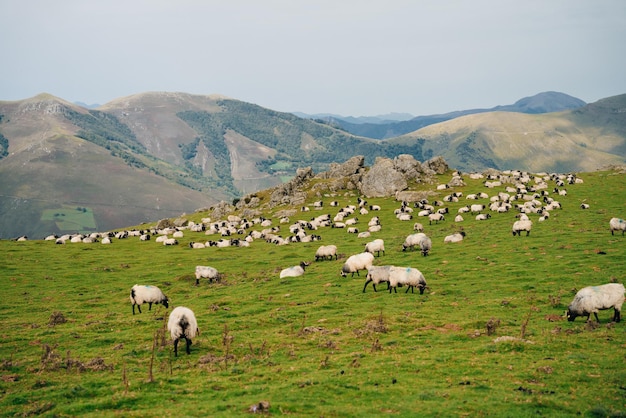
(570, 315)
(166, 303)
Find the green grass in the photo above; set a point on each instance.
(317, 345)
(71, 219)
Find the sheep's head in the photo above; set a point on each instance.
(570, 315)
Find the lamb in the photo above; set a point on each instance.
(522, 225)
(592, 299)
(617, 224)
(456, 237)
(377, 246)
(182, 324)
(406, 276)
(419, 239)
(207, 272)
(294, 271)
(376, 275)
(326, 251)
(357, 262)
(140, 294)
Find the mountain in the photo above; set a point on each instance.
(583, 139)
(540, 103)
(379, 119)
(67, 168)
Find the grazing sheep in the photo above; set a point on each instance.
(326, 251)
(406, 276)
(456, 237)
(592, 299)
(522, 225)
(182, 324)
(377, 246)
(140, 294)
(419, 239)
(294, 271)
(377, 275)
(435, 217)
(357, 262)
(617, 224)
(207, 272)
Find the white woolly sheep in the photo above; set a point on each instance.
(294, 271)
(170, 241)
(458, 218)
(375, 246)
(483, 217)
(418, 227)
(617, 224)
(477, 208)
(326, 251)
(406, 276)
(140, 294)
(182, 324)
(435, 217)
(357, 262)
(522, 225)
(592, 299)
(456, 237)
(207, 272)
(196, 245)
(377, 275)
(419, 239)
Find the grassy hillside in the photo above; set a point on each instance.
(487, 337)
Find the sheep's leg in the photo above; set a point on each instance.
(149, 306)
(176, 347)
(616, 315)
(596, 315)
(138, 307)
(366, 282)
(188, 341)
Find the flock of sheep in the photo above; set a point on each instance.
(523, 193)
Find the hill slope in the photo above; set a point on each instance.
(583, 139)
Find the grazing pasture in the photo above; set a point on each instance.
(487, 338)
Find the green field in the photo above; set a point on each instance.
(71, 219)
(487, 338)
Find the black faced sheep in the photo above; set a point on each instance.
(376, 275)
(207, 272)
(357, 262)
(456, 237)
(522, 225)
(375, 246)
(406, 276)
(617, 224)
(140, 294)
(592, 299)
(294, 271)
(182, 324)
(326, 251)
(419, 239)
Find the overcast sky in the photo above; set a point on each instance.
(348, 57)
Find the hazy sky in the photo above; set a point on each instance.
(349, 57)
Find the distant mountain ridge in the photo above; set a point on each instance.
(152, 155)
(545, 102)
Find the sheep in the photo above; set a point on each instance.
(419, 239)
(170, 241)
(196, 245)
(207, 272)
(456, 237)
(357, 262)
(418, 227)
(483, 217)
(522, 225)
(592, 299)
(182, 324)
(458, 218)
(477, 208)
(140, 294)
(377, 246)
(326, 251)
(352, 230)
(408, 276)
(617, 224)
(584, 206)
(436, 217)
(377, 275)
(294, 271)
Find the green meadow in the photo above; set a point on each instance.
(71, 219)
(487, 338)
